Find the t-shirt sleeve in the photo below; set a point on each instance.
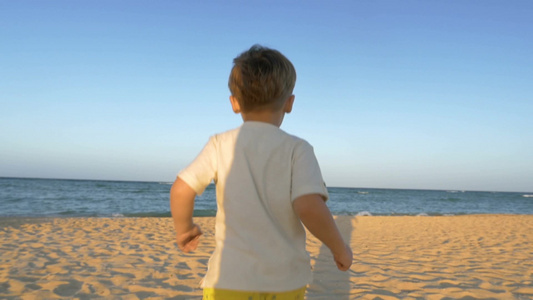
(202, 171)
(306, 175)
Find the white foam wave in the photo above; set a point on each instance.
(527, 196)
(363, 213)
(362, 193)
(117, 215)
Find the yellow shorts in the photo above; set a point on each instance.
(219, 294)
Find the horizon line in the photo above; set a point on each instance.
(338, 187)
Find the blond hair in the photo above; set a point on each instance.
(261, 78)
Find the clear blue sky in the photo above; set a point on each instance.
(392, 94)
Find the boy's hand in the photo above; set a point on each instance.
(344, 258)
(188, 241)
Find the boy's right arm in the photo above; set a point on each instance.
(182, 207)
(316, 217)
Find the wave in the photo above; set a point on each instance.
(159, 214)
(527, 196)
(421, 214)
(363, 213)
(451, 199)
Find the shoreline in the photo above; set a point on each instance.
(28, 219)
(396, 257)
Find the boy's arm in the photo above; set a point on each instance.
(182, 206)
(315, 215)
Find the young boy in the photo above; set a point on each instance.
(267, 184)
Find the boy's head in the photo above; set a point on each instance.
(261, 78)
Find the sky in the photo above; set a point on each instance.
(391, 94)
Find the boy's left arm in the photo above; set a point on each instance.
(182, 207)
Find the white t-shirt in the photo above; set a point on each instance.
(258, 170)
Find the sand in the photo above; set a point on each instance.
(449, 257)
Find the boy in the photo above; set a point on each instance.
(267, 184)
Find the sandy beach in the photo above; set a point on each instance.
(448, 257)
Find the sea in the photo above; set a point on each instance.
(24, 197)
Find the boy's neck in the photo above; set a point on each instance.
(266, 116)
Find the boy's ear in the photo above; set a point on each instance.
(235, 104)
(288, 104)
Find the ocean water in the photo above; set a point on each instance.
(91, 198)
